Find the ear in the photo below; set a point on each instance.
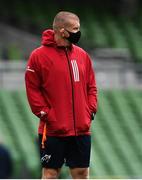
(62, 31)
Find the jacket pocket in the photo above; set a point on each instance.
(88, 112)
(51, 116)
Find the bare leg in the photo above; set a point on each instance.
(79, 173)
(48, 173)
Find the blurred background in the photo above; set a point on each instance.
(112, 35)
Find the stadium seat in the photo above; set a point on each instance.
(98, 29)
(113, 32)
(116, 134)
(130, 129)
(96, 33)
(23, 139)
(8, 139)
(134, 38)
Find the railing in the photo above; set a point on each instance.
(109, 74)
(12, 75)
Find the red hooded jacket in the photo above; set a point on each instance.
(60, 81)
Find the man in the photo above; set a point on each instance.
(61, 91)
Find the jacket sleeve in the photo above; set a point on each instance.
(91, 87)
(33, 87)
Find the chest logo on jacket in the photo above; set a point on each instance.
(75, 70)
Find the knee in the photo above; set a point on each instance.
(49, 174)
(81, 173)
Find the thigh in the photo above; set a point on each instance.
(78, 151)
(52, 156)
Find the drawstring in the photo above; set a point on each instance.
(44, 136)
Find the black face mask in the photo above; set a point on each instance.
(74, 37)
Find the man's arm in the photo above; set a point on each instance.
(91, 88)
(33, 88)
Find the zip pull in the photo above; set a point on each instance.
(66, 49)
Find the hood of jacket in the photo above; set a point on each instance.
(48, 38)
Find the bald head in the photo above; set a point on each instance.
(66, 25)
(63, 19)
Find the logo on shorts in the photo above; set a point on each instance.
(45, 158)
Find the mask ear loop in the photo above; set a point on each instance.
(44, 136)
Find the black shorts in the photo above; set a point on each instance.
(74, 151)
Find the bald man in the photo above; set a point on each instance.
(61, 90)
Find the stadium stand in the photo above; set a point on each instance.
(116, 134)
(24, 145)
(99, 29)
(114, 41)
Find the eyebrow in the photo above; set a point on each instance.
(77, 25)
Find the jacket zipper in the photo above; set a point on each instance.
(72, 89)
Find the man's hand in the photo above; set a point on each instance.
(92, 116)
(42, 113)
